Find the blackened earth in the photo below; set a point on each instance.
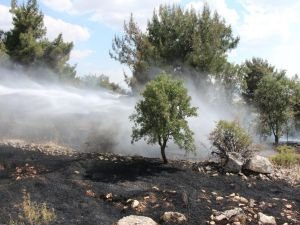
(94, 188)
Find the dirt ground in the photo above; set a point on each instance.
(94, 189)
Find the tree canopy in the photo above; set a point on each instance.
(273, 98)
(26, 43)
(175, 39)
(255, 70)
(162, 113)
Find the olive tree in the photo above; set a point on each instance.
(161, 115)
(273, 99)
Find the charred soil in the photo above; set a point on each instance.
(95, 188)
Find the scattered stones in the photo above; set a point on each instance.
(136, 220)
(259, 164)
(174, 217)
(228, 214)
(266, 220)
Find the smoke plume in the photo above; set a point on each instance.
(88, 120)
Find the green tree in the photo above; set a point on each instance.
(175, 38)
(22, 41)
(56, 56)
(26, 43)
(255, 70)
(162, 113)
(273, 98)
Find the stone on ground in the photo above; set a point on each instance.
(136, 220)
(266, 220)
(259, 164)
(174, 217)
(234, 163)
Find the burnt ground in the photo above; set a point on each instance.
(78, 187)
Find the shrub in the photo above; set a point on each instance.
(286, 156)
(230, 137)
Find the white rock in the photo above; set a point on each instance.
(266, 220)
(219, 198)
(259, 164)
(288, 206)
(234, 163)
(174, 217)
(136, 220)
(244, 200)
(135, 204)
(220, 218)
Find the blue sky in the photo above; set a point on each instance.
(267, 28)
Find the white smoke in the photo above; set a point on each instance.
(89, 120)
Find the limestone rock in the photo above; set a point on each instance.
(136, 220)
(234, 163)
(174, 217)
(259, 164)
(266, 220)
(135, 204)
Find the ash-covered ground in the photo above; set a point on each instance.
(95, 188)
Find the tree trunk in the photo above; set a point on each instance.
(276, 139)
(163, 154)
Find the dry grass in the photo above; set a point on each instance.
(35, 213)
(286, 157)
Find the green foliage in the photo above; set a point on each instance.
(286, 156)
(27, 45)
(255, 69)
(162, 113)
(102, 81)
(296, 101)
(56, 55)
(230, 137)
(28, 28)
(175, 38)
(273, 99)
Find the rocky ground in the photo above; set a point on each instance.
(94, 188)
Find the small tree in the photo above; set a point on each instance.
(273, 99)
(162, 114)
(229, 137)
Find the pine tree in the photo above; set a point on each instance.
(175, 39)
(26, 43)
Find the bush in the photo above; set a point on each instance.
(230, 137)
(286, 156)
